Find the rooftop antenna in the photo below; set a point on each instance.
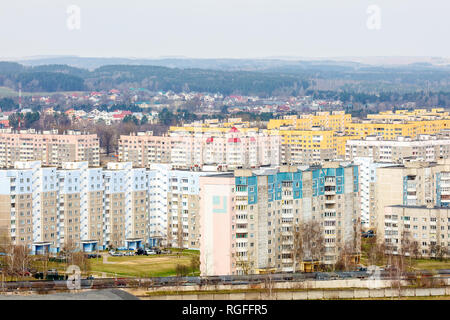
(20, 95)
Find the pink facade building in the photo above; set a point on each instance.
(216, 212)
(48, 146)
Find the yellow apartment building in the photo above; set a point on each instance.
(337, 120)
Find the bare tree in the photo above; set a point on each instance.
(437, 251)
(408, 249)
(308, 243)
(17, 259)
(80, 259)
(345, 260)
(396, 261)
(68, 250)
(242, 262)
(375, 252)
(195, 263)
(107, 136)
(415, 249)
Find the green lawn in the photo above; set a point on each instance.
(143, 266)
(417, 264)
(131, 266)
(430, 264)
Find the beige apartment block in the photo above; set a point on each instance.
(143, 148)
(411, 184)
(426, 226)
(49, 147)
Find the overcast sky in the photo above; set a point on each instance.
(225, 28)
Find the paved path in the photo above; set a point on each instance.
(105, 294)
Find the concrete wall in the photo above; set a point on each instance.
(310, 284)
(310, 294)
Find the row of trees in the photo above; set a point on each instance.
(16, 260)
(308, 247)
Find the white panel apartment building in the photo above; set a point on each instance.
(174, 206)
(187, 149)
(424, 148)
(367, 182)
(126, 205)
(46, 208)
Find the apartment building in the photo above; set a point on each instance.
(247, 218)
(193, 147)
(308, 147)
(424, 148)
(367, 183)
(411, 184)
(336, 121)
(49, 207)
(126, 205)
(174, 206)
(143, 148)
(391, 129)
(413, 115)
(49, 147)
(427, 227)
(46, 208)
(229, 147)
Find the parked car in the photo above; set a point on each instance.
(156, 250)
(148, 251)
(140, 252)
(360, 268)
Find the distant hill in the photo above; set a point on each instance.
(263, 77)
(182, 63)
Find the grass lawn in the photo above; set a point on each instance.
(132, 266)
(430, 264)
(141, 266)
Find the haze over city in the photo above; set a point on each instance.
(225, 29)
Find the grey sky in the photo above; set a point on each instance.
(225, 28)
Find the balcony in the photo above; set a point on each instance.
(330, 181)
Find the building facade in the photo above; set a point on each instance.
(193, 147)
(47, 208)
(419, 231)
(424, 148)
(49, 147)
(411, 184)
(248, 218)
